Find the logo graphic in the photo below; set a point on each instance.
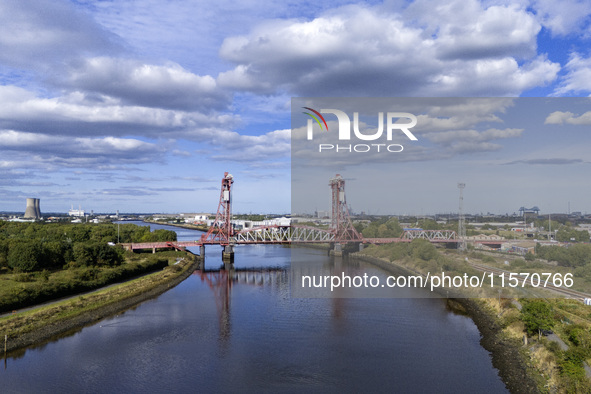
(315, 118)
(395, 121)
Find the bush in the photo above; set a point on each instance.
(423, 249)
(488, 259)
(24, 277)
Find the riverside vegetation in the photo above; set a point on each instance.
(557, 370)
(43, 261)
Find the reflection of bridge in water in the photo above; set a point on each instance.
(340, 232)
(221, 282)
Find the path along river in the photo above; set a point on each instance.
(206, 335)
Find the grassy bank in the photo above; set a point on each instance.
(34, 326)
(536, 364)
(22, 289)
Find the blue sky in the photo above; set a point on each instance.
(142, 105)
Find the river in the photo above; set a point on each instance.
(249, 335)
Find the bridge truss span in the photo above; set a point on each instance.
(283, 234)
(263, 234)
(431, 235)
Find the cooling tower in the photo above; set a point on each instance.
(37, 209)
(32, 211)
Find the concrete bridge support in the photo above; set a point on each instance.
(337, 250)
(228, 253)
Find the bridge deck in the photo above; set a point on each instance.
(297, 235)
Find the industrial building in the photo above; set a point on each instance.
(76, 212)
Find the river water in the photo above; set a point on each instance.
(212, 335)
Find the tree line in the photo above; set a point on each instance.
(577, 255)
(30, 247)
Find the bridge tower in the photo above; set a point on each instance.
(341, 223)
(221, 230)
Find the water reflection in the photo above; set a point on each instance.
(221, 281)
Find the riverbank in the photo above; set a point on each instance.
(203, 227)
(506, 353)
(38, 325)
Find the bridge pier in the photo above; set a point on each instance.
(361, 246)
(337, 250)
(228, 253)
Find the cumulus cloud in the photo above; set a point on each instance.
(358, 50)
(467, 30)
(136, 83)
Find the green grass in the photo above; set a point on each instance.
(18, 290)
(24, 322)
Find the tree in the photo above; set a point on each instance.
(537, 316)
(25, 256)
(370, 232)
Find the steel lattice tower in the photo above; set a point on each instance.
(341, 223)
(461, 220)
(221, 230)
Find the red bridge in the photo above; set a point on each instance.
(341, 231)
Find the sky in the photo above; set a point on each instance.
(508, 152)
(141, 106)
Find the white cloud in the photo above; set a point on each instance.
(578, 76)
(137, 83)
(80, 151)
(565, 17)
(78, 113)
(559, 117)
(357, 50)
(465, 29)
(259, 148)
